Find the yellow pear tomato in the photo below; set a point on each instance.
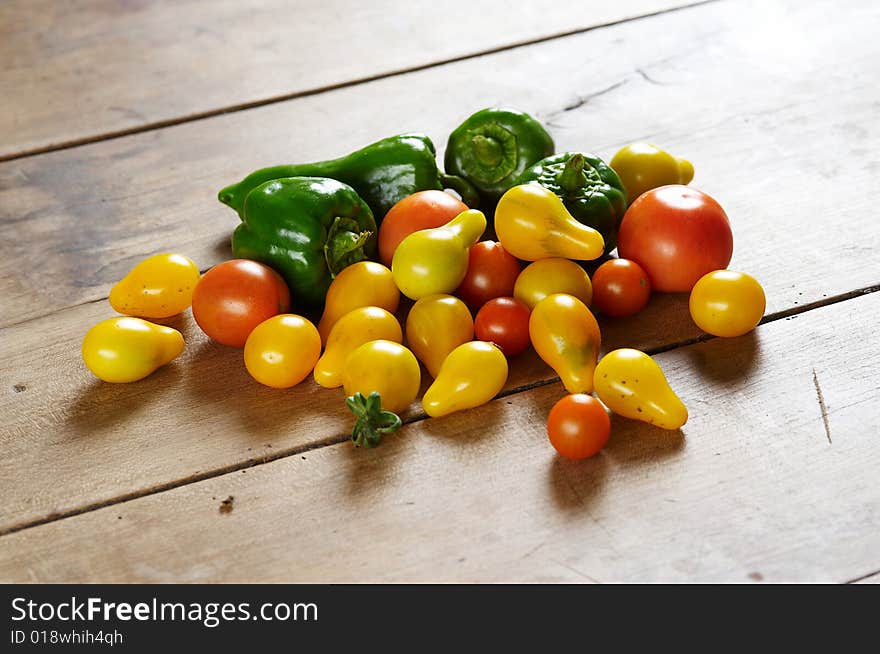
(435, 326)
(727, 303)
(160, 286)
(351, 331)
(642, 167)
(548, 276)
(362, 284)
(471, 375)
(127, 349)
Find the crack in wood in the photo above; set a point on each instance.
(822, 407)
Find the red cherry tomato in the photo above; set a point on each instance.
(422, 210)
(620, 288)
(578, 426)
(492, 272)
(677, 234)
(504, 321)
(235, 296)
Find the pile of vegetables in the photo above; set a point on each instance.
(344, 239)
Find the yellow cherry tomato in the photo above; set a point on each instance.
(642, 166)
(632, 385)
(128, 349)
(532, 223)
(548, 276)
(727, 303)
(386, 368)
(435, 260)
(436, 325)
(566, 336)
(362, 284)
(280, 352)
(353, 330)
(160, 286)
(471, 375)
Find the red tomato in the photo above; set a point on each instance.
(422, 210)
(677, 234)
(504, 321)
(620, 288)
(491, 273)
(578, 426)
(235, 296)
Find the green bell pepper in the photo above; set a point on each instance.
(307, 229)
(588, 187)
(493, 147)
(382, 173)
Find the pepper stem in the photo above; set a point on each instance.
(345, 244)
(370, 420)
(572, 178)
(487, 150)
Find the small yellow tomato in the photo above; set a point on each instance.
(128, 349)
(727, 303)
(386, 368)
(436, 325)
(280, 352)
(548, 276)
(642, 167)
(353, 330)
(471, 375)
(532, 223)
(432, 261)
(566, 336)
(160, 286)
(362, 284)
(632, 385)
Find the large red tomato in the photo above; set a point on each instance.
(677, 234)
(421, 210)
(235, 296)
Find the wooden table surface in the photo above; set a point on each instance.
(119, 121)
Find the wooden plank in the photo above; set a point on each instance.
(768, 118)
(76, 71)
(203, 415)
(754, 487)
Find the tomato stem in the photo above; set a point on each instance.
(371, 421)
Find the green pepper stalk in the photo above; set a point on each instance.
(371, 421)
(308, 229)
(382, 173)
(588, 187)
(493, 147)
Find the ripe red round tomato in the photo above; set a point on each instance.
(620, 288)
(677, 234)
(492, 272)
(422, 210)
(578, 426)
(235, 296)
(504, 321)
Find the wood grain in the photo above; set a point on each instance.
(777, 123)
(749, 490)
(76, 71)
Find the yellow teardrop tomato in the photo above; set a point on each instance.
(351, 331)
(471, 375)
(436, 325)
(548, 276)
(386, 368)
(566, 336)
(362, 284)
(128, 349)
(280, 352)
(727, 303)
(632, 385)
(532, 223)
(160, 286)
(642, 167)
(435, 260)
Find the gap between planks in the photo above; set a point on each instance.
(160, 124)
(337, 439)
